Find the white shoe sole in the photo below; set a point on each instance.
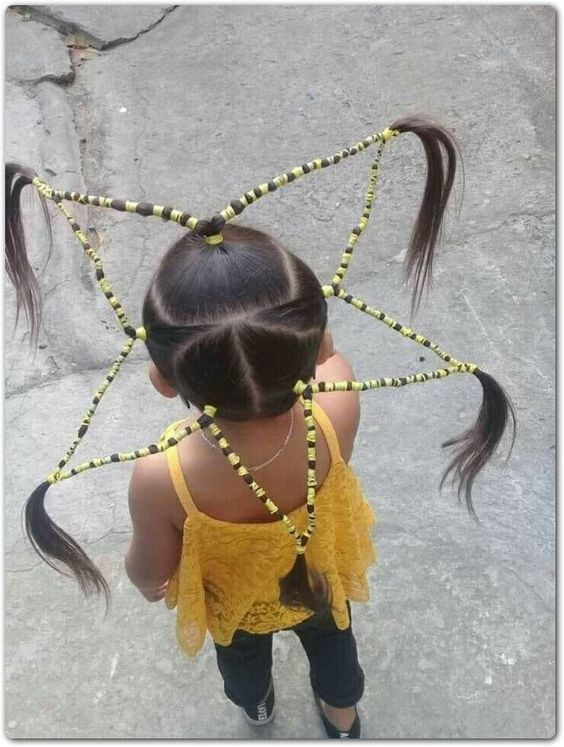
(265, 721)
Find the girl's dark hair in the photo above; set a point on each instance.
(440, 151)
(473, 448)
(51, 542)
(237, 325)
(20, 272)
(234, 325)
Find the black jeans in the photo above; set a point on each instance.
(335, 674)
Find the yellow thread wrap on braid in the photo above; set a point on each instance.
(235, 461)
(128, 206)
(103, 282)
(300, 387)
(396, 381)
(128, 456)
(388, 134)
(363, 222)
(213, 240)
(311, 467)
(86, 420)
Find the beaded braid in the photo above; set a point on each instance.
(216, 223)
(235, 461)
(307, 399)
(124, 206)
(86, 420)
(211, 231)
(128, 456)
(359, 228)
(361, 305)
(133, 334)
(236, 207)
(103, 282)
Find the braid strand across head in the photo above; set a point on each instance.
(302, 586)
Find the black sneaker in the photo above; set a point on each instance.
(333, 732)
(263, 713)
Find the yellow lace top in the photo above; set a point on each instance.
(228, 574)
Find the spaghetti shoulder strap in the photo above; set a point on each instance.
(178, 481)
(326, 426)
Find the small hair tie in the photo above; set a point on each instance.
(141, 334)
(388, 134)
(212, 240)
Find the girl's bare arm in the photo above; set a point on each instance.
(156, 544)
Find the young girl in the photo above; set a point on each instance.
(236, 325)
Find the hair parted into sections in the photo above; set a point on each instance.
(235, 326)
(234, 323)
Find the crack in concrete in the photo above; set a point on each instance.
(465, 235)
(80, 122)
(142, 133)
(67, 27)
(110, 532)
(24, 570)
(61, 80)
(507, 221)
(22, 390)
(533, 591)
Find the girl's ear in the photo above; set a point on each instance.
(326, 349)
(160, 384)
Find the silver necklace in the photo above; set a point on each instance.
(256, 467)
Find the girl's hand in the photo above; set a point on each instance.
(155, 594)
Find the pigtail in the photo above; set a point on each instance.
(48, 540)
(53, 544)
(20, 272)
(474, 448)
(304, 587)
(440, 149)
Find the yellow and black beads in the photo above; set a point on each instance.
(128, 456)
(358, 229)
(236, 207)
(124, 206)
(235, 461)
(211, 230)
(307, 399)
(102, 280)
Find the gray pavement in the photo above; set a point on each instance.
(190, 106)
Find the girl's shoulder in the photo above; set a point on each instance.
(342, 408)
(151, 489)
(224, 495)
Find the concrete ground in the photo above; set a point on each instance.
(190, 106)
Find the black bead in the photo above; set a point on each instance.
(237, 206)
